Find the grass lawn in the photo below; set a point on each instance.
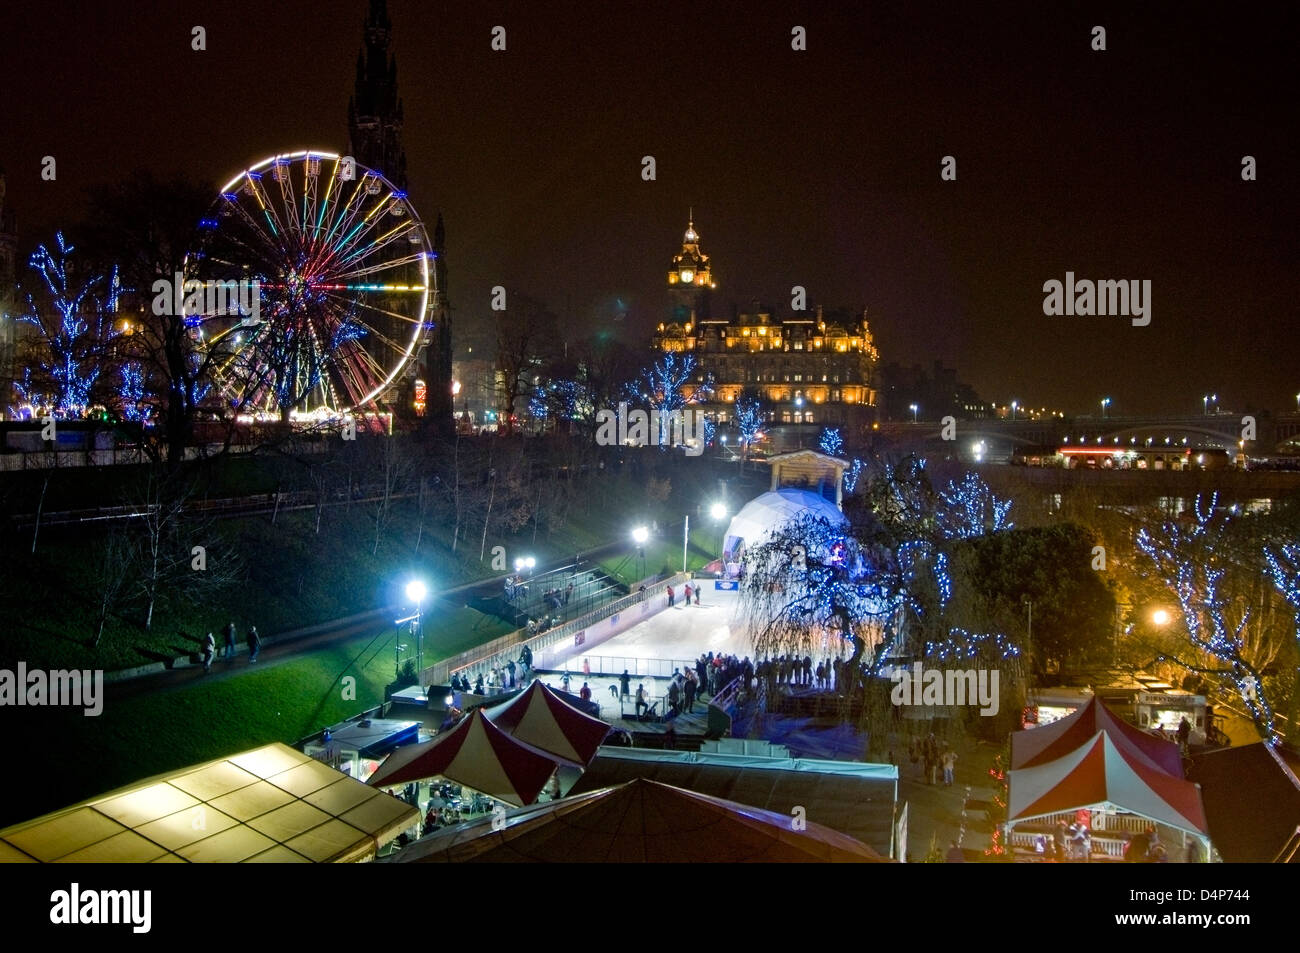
(293, 578)
(216, 715)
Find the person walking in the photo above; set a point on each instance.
(254, 643)
(585, 694)
(697, 595)
(688, 594)
(624, 681)
(949, 761)
(641, 703)
(674, 697)
(586, 666)
(209, 652)
(670, 597)
(230, 641)
(690, 690)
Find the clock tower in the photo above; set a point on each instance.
(690, 279)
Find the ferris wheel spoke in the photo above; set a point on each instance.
(402, 231)
(345, 246)
(353, 370)
(257, 188)
(372, 221)
(344, 221)
(365, 358)
(283, 174)
(273, 245)
(327, 207)
(383, 266)
(310, 181)
(387, 314)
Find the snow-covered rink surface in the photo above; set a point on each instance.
(680, 634)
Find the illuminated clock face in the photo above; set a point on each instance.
(687, 275)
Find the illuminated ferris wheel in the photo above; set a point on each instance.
(323, 280)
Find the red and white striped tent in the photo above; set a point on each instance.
(540, 718)
(1105, 776)
(1036, 746)
(477, 754)
(640, 821)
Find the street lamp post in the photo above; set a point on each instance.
(1014, 405)
(686, 540)
(416, 591)
(1105, 402)
(719, 512)
(639, 536)
(914, 410)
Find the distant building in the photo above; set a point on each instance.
(375, 118)
(475, 390)
(374, 110)
(936, 394)
(808, 369)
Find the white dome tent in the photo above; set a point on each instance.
(764, 516)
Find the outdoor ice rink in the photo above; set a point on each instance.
(679, 633)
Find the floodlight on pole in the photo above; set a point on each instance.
(416, 591)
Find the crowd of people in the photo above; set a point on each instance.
(934, 755)
(496, 678)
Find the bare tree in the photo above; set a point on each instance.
(394, 468)
(174, 550)
(114, 575)
(526, 340)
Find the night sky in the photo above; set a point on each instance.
(817, 168)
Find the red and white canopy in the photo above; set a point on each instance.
(1045, 743)
(475, 753)
(539, 717)
(1103, 775)
(641, 821)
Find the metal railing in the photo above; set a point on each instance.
(612, 666)
(506, 648)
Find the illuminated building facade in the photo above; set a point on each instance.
(808, 370)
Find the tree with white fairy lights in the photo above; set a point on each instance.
(1224, 613)
(1282, 565)
(668, 386)
(831, 441)
(72, 315)
(884, 574)
(748, 418)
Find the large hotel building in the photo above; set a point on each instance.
(815, 369)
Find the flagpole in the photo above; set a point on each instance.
(686, 538)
